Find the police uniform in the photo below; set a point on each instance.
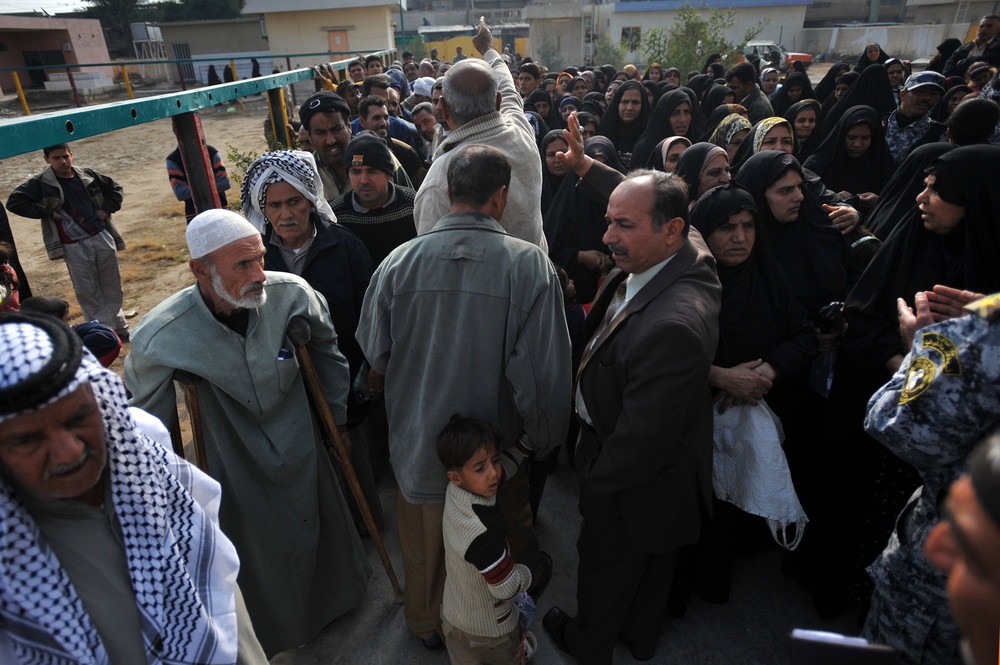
(931, 414)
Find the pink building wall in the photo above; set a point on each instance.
(24, 33)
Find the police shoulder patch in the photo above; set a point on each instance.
(919, 376)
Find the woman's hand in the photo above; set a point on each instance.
(740, 384)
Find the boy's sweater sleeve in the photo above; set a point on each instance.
(490, 554)
(513, 456)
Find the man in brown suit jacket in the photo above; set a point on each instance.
(644, 458)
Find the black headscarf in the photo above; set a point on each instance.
(692, 164)
(553, 120)
(715, 57)
(700, 84)
(625, 135)
(898, 198)
(825, 87)
(914, 259)
(760, 317)
(540, 127)
(213, 76)
(780, 102)
(652, 89)
(715, 97)
(864, 62)
(850, 78)
(944, 51)
(811, 251)
(940, 111)
(659, 127)
(871, 89)
(805, 148)
(716, 70)
(867, 173)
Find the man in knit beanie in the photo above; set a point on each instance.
(379, 212)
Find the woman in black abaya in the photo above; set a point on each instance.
(871, 89)
(763, 333)
(873, 55)
(625, 123)
(899, 196)
(540, 102)
(672, 116)
(952, 239)
(579, 221)
(553, 174)
(854, 160)
(825, 87)
(805, 117)
(795, 88)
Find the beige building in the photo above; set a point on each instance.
(312, 26)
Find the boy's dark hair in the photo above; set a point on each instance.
(973, 121)
(59, 146)
(463, 437)
(373, 58)
(375, 81)
(51, 305)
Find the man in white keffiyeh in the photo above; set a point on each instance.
(110, 549)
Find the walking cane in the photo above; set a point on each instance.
(190, 383)
(299, 334)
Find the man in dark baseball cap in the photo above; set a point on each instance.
(327, 118)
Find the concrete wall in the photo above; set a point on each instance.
(206, 37)
(785, 25)
(368, 29)
(558, 26)
(22, 33)
(909, 41)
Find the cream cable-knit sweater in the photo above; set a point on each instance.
(482, 578)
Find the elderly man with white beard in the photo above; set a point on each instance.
(302, 560)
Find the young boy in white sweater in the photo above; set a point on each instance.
(479, 613)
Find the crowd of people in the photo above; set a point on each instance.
(496, 262)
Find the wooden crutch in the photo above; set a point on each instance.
(190, 383)
(299, 333)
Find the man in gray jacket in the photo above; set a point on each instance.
(464, 319)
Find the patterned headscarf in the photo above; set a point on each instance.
(297, 168)
(766, 125)
(728, 128)
(182, 568)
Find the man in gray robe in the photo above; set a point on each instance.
(302, 560)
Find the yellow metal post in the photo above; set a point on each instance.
(128, 84)
(20, 94)
(232, 65)
(284, 118)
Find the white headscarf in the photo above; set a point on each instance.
(297, 168)
(182, 568)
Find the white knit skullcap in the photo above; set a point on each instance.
(216, 228)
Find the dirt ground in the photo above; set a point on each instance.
(151, 220)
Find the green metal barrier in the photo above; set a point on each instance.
(21, 135)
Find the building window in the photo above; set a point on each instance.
(630, 38)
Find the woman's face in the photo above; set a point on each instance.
(554, 148)
(895, 72)
(552, 88)
(873, 52)
(649, 96)
(769, 83)
(784, 197)
(630, 105)
(981, 78)
(735, 143)
(732, 242)
(953, 101)
(543, 109)
(580, 89)
(778, 138)
(589, 130)
(715, 173)
(655, 74)
(938, 215)
(566, 110)
(674, 77)
(680, 119)
(609, 94)
(805, 124)
(672, 155)
(794, 93)
(839, 90)
(858, 140)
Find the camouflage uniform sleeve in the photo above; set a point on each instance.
(946, 389)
